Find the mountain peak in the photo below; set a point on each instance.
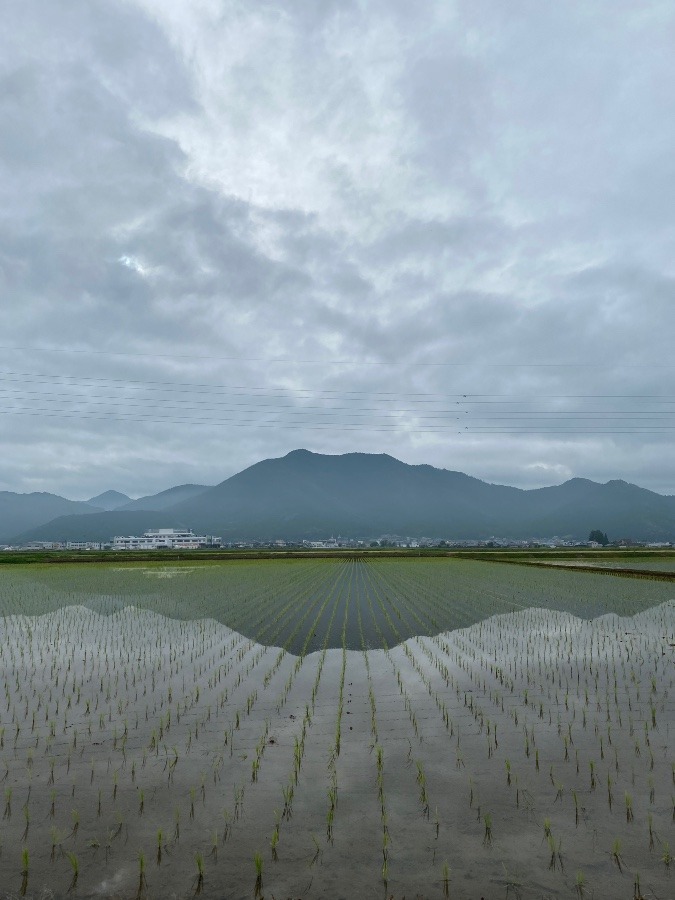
(302, 453)
(109, 500)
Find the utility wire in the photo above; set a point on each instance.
(44, 378)
(398, 427)
(19, 395)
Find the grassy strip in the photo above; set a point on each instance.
(649, 574)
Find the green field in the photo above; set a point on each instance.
(335, 727)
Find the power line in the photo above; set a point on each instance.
(398, 427)
(247, 406)
(186, 386)
(115, 400)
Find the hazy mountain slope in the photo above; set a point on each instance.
(165, 499)
(19, 512)
(626, 509)
(99, 527)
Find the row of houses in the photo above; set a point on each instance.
(177, 539)
(155, 539)
(65, 545)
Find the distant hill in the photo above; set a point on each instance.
(306, 495)
(166, 499)
(109, 500)
(21, 512)
(100, 526)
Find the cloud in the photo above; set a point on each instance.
(442, 232)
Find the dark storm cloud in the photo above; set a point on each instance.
(374, 188)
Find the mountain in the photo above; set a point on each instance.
(309, 495)
(167, 498)
(109, 500)
(21, 512)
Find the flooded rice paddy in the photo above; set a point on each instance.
(321, 728)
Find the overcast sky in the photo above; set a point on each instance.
(441, 230)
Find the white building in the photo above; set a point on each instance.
(330, 544)
(165, 538)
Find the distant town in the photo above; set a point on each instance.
(177, 539)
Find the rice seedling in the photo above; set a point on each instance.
(487, 836)
(56, 840)
(26, 813)
(258, 864)
(119, 825)
(227, 826)
(555, 851)
(576, 807)
(580, 884)
(288, 792)
(629, 806)
(446, 880)
(317, 851)
(214, 845)
(75, 869)
(637, 892)
(142, 881)
(25, 870)
(422, 781)
(199, 862)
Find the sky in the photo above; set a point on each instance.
(440, 230)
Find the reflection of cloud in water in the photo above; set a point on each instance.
(168, 572)
(158, 571)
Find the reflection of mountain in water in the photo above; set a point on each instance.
(305, 605)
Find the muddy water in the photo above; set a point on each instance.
(543, 691)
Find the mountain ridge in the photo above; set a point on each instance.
(311, 495)
(165, 499)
